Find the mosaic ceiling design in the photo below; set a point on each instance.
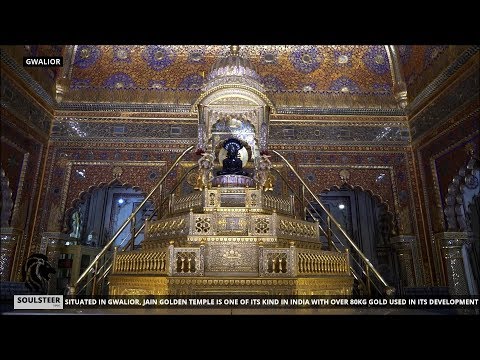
(338, 68)
(291, 74)
(421, 64)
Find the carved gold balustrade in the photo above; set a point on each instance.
(325, 262)
(140, 262)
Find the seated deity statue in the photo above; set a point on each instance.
(232, 164)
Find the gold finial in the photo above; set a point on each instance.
(234, 49)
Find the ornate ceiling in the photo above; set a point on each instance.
(421, 64)
(328, 76)
(356, 69)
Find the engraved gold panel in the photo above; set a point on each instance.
(277, 262)
(203, 224)
(232, 224)
(231, 257)
(133, 285)
(261, 225)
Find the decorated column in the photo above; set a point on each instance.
(9, 238)
(403, 245)
(451, 244)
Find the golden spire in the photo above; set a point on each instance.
(234, 49)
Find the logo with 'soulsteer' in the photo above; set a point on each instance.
(38, 302)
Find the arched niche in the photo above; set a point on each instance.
(96, 212)
(233, 111)
(366, 217)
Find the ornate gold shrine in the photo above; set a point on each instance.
(231, 240)
(235, 237)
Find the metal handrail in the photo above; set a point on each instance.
(352, 243)
(341, 243)
(160, 205)
(354, 273)
(139, 207)
(102, 275)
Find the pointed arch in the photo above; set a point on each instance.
(83, 196)
(377, 197)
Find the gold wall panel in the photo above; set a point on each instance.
(231, 257)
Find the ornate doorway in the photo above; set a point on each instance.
(368, 222)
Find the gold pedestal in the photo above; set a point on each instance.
(230, 240)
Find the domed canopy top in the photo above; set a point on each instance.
(234, 68)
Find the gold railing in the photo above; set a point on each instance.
(295, 229)
(159, 211)
(93, 267)
(325, 262)
(292, 261)
(186, 202)
(279, 203)
(140, 262)
(368, 277)
(168, 228)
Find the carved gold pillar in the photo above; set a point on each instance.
(451, 243)
(9, 238)
(55, 244)
(403, 245)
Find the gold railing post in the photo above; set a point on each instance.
(114, 262)
(367, 273)
(172, 261)
(132, 230)
(303, 204)
(347, 252)
(329, 233)
(261, 255)
(94, 282)
(160, 200)
(293, 259)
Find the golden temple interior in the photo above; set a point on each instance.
(360, 169)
